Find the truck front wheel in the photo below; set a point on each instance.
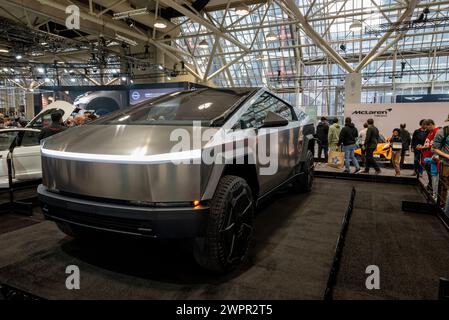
(230, 229)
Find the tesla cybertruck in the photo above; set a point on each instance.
(187, 165)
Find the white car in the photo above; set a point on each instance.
(26, 154)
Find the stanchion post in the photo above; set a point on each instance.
(443, 292)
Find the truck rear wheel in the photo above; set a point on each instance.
(304, 182)
(230, 229)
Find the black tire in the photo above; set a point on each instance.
(304, 182)
(230, 230)
(79, 233)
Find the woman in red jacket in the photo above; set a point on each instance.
(429, 161)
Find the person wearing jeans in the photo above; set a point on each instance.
(350, 156)
(347, 139)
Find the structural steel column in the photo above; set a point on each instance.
(353, 88)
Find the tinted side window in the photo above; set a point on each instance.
(283, 110)
(30, 139)
(267, 102)
(247, 120)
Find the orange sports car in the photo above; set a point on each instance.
(383, 151)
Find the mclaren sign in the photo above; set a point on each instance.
(372, 112)
(390, 116)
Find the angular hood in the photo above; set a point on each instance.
(125, 162)
(125, 140)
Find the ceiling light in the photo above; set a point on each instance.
(44, 43)
(126, 40)
(130, 13)
(4, 50)
(161, 67)
(19, 56)
(72, 80)
(124, 78)
(47, 80)
(271, 36)
(242, 10)
(355, 26)
(203, 44)
(17, 80)
(159, 24)
(5, 69)
(40, 70)
(169, 78)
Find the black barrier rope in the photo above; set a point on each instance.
(328, 294)
(437, 178)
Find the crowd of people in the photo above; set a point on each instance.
(12, 122)
(54, 126)
(332, 137)
(429, 144)
(57, 125)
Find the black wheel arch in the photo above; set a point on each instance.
(245, 171)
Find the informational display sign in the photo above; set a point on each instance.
(139, 95)
(390, 116)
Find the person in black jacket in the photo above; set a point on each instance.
(371, 141)
(406, 141)
(322, 130)
(348, 137)
(55, 127)
(418, 140)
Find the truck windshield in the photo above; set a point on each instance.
(178, 108)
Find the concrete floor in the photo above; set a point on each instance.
(294, 248)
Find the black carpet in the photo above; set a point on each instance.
(411, 250)
(295, 241)
(12, 222)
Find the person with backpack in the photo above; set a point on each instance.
(347, 138)
(322, 132)
(441, 148)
